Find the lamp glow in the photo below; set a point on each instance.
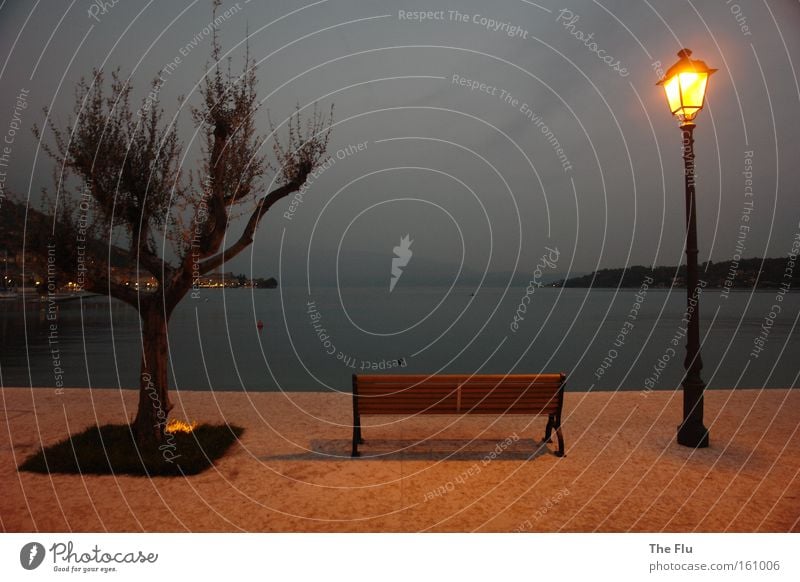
(685, 85)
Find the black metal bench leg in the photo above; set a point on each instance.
(560, 452)
(549, 429)
(356, 420)
(357, 440)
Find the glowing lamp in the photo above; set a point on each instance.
(685, 85)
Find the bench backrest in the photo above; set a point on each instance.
(458, 394)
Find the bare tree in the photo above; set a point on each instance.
(120, 183)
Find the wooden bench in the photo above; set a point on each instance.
(456, 394)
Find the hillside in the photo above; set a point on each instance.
(744, 274)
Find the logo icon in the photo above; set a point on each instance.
(402, 256)
(31, 555)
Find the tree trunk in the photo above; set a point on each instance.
(154, 403)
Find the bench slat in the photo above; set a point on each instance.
(473, 406)
(411, 408)
(399, 392)
(441, 377)
(464, 394)
(363, 389)
(397, 387)
(465, 406)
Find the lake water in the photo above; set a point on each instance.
(316, 341)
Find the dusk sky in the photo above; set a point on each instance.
(488, 130)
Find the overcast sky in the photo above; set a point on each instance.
(465, 171)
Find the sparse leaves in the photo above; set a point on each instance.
(306, 148)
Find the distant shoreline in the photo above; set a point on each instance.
(745, 274)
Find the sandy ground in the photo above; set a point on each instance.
(291, 470)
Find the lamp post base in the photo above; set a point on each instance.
(692, 432)
(693, 435)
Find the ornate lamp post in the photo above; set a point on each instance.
(685, 85)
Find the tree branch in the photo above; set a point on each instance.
(103, 286)
(252, 224)
(153, 264)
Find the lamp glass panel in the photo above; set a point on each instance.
(693, 89)
(689, 113)
(672, 88)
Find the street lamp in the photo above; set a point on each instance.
(685, 86)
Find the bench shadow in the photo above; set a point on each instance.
(428, 450)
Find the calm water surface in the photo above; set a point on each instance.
(316, 341)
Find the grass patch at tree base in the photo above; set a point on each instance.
(112, 450)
